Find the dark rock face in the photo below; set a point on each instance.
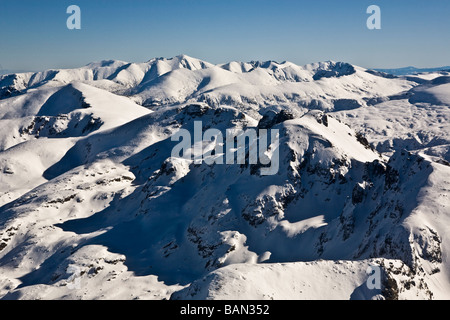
(10, 86)
(363, 140)
(196, 110)
(8, 92)
(272, 118)
(357, 194)
(335, 70)
(322, 118)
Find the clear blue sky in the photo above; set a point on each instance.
(33, 34)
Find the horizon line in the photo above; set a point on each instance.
(6, 71)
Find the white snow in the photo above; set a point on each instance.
(94, 206)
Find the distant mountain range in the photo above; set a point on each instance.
(412, 70)
(394, 71)
(7, 71)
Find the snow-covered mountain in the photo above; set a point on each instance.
(413, 70)
(93, 204)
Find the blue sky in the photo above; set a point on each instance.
(34, 36)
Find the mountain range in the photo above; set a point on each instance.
(413, 70)
(94, 205)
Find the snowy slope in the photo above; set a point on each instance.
(416, 119)
(94, 205)
(318, 280)
(38, 135)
